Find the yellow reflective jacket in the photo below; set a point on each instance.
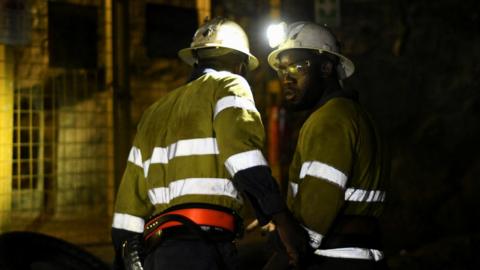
(188, 146)
(337, 168)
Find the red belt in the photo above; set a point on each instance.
(201, 216)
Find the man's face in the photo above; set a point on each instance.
(296, 72)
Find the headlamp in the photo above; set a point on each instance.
(276, 34)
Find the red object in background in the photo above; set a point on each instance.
(273, 141)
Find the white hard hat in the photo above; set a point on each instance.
(221, 34)
(307, 35)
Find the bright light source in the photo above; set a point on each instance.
(276, 34)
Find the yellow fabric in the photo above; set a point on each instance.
(184, 114)
(341, 139)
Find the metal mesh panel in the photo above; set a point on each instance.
(62, 161)
(29, 158)
(56, 158)
(15, 26)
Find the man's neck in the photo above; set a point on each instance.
(332, 89)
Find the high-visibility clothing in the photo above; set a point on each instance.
(337, 169)
(188, 146)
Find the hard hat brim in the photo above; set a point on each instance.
(187, 56)
(346, 63)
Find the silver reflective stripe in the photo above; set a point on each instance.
(135, 156)
(146, 166)
(315, 238)
(244, 160)
(294, 188)
(234, 102)
(192, 147)
(352, 194)
(361, 195)
(159, 155)
(193, 186)
(128, 222)
(352, 253)
(182, 148)
(324, 171)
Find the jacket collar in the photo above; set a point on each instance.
(199, 72)
(345, 93)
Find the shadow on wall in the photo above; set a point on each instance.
(26, 250)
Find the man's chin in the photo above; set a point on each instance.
(297, 106)
(292, 106)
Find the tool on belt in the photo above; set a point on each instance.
(133, 253)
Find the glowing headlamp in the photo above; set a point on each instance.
(276, 34)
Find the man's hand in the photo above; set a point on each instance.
(293, 237)
(267, 228)
(252, 226)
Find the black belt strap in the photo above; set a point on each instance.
(353, 231)
(191, 226)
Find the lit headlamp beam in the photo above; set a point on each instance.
(276, 34)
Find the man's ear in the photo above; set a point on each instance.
(326, 67)
(241, 69)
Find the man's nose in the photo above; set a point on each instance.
(286, 78)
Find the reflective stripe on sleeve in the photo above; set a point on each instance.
(146, 166)
(352, 253)
(315, 238)
(193, 186)
(135, 156)
(244, 160)
(128, 222)
(294, 188)
(352, 194)
(324, 171)
(234, 102)
(361, 195)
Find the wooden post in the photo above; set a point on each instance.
(121, 87)
(6, 135)
(109, 87)
(204, 10)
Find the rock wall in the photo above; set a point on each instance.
(417, 72)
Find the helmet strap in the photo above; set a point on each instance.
(195, 57)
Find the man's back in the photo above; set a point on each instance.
(178, 146)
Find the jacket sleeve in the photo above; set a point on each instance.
(241, 136)
(324, 158)
(131, 205)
